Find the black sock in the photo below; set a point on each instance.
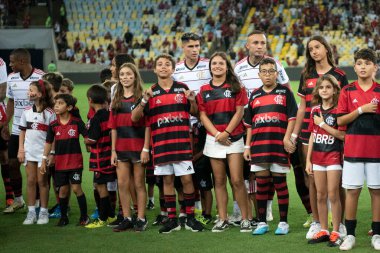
(106, 209)
(63, 202)
(82, 205)
(97, 198)
(376, 227)
(350, 226)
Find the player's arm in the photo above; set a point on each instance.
(145, 152)
(10, 110)
(309, 165)
(21, 150)
(247, 147)
(190, 95)
(113, 147)
(350, 117)
(138, 111)
(47, 150)
(3, 91)
(299, 118)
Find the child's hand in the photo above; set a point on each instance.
(21, 155)
(43, 167)
(247, 154)
(144, 157)
(190, 95)
(318, 119)
(369, 108)
(51, 160)
(222, 138)
(309, 168)
(114, 158)
(148, 94)
(289, 146)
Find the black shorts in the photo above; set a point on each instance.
(3, 143)
(203, 173)
(246, 169)
(103, 178)
(13, 146)
(66, 177)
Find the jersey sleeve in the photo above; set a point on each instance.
(282, 77)
(22, 124)
(248, 113)
(291, 106)
(111, 120)
(301, 90)
(52, 117)
(241, 97)
(82, 128)
(3, 72)
(342, 103)
(50, 134)
(94, 130)
(9, 91)
(200, 101)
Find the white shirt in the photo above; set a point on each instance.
(3, 72)
(17, 89)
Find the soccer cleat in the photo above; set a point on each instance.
(160, 220)
(30, 219)
(375, 242)
(124, 225)
(56, 213)
(204, 220)
(171, 225)
(254, 222)
(43, 218)
(17, 204)
(261, 229)
(348, 243)
(220, 226)
(140, 225)
(193, 225)
(342, 230)
(308, 221)
(95, 214)
(51, 210)
(335, 239)
(150, 205)
(83, 221)
(182, 221)
(269, 211)
(116, 222)
(245, 226)
(282, 228)
(321, 236)
(96, 224)
(63, 221)
(315, 227)
(111, 219)
(235, 219)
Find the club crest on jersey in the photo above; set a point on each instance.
(179, 98)
(34, 126)
(279, 99)
(375, 101)
(227, 93)
(330, 120)
(71, 132)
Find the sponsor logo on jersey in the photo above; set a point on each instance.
(71, 132)
(179, 98)
(179, 69)
(201, 66)
(256, 95)
(279, 99)
(169, 119)
(156, 92)
(23, 103)
(178, 90)
(227, 93)
(34, 78)
(281, 91)
(323, 138)
(267, 119)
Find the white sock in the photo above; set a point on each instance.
(42, 210)
(32, 209)
(19, 199)
(37, 204)
(182, 215)
(164, 213)
(151, 199)
(269, 203)
(198, 205)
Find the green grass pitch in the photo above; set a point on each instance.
(15, 237)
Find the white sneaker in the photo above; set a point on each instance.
(43, 218)
(235, 219)
(315, 227)
(375, 242)
(269, 211)
(30, 218)
(342, 230)
(348, 243)
(282, 229)
(17, 204)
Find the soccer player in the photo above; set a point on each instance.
(3, 139)
(358, 109)
(99, 140)
(221, 108)
(271, 116)
(65, 131)
(17, 93)
(319, 61)
(194, 71)
(167, 105)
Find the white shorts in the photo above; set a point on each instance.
(177, 169)
(272, 167)
(250, 185)
(214, 149)
(354, 174)
(327, 168)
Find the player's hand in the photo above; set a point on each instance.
(144, 157)
(190, 95)
(21, 155)
(51, 160)
(247, 154)
(222, 138)
(5, 133)
(289, 146)
(309, 168)
(318, 119)
(148, 94)
(114, 158)
(369, 108)
(43, 167)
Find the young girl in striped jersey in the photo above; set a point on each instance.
(324, 156)
(130, 145)
(34, 123)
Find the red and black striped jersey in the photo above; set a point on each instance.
(169, 119)
(305, 91)
(68, 153)
(363, 134)
(219, 103)
(268, 116)
(327, 150)
(100, 135)
(130, 135)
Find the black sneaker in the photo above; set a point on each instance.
(254, 222)
(193, 225)
(160, 220)
(140, 225)
(182, 221)
(63, 221)
(119, 219)
(124, 225)
(83, 221)
(150, 205)
(171, 225)
(51, 210)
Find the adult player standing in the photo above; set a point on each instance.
(17, 93)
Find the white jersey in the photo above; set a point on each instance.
(17, 89)
(195, 77)
(248, 74)
(36, 125)
(3, 72)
